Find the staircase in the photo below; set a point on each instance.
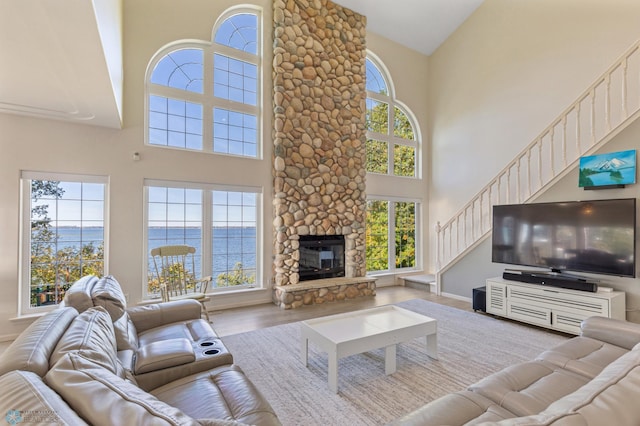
(608, 106)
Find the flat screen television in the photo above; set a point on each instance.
(597, 236)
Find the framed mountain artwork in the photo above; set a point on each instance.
(612, 170)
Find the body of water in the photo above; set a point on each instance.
(604, 178)
(230, 245)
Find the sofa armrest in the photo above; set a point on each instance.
(616, 332)
(163, 354)
(157, 314)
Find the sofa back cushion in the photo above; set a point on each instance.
(102, 398)
(126, 333)
(608, 399)
(91, 334)
(611, 397)
(32, 348)
(78, 296)
(108, 294)
(25, 398)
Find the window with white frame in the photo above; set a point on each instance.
(63, 230)
(205, 96)
(221, 222)
(391, 232)
(392, 141)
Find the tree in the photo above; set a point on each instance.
(238, 276)
(405, 234)
(377, 236)
(53, 269)
(377, 121)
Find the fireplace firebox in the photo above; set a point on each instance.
(321, 256)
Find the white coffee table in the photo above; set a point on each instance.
(361, 331)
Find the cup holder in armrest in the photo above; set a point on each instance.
(204, 344)
(211, 351)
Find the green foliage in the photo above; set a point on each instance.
(584, 179)
(54, 270)
(615, 175)
(377, 236)
(377, 157)
(171, 274)
(404, 161)
(402, 127)
(238, 276)
(405, 235)
(377, 116)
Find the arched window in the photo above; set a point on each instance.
(392, 139)
(205, 96)
(393, 239)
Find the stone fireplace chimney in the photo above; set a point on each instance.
(319, 131)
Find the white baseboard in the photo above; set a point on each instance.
(8, 337)
(457, 297)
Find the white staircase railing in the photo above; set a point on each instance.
(600, 113)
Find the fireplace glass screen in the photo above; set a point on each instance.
(321, 256)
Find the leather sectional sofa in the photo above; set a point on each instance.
(589, 380)
(95, 361)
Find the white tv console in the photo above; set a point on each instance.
(551, 307)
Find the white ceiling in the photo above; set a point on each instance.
(62, 59)
(421, 25)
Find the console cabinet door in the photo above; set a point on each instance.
(529, 313)
(496, 298)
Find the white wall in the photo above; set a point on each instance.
(475, 268)
(504, 75)
(507, 72)
(408, 69)
(54, 146)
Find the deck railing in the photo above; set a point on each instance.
(601, 112)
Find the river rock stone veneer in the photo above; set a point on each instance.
(319, 132)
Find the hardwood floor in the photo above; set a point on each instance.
(240, 320)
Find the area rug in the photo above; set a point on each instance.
(470, 347)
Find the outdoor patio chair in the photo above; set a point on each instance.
(175, 271)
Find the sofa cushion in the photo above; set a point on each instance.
(460, 408)
(91, 334)
(78, 296)
(529, 387)
(223, 393)
(155, 315)
(583, 355)
(126, 333)
(108, 294)
(32, 348)
(608, 399)
(613, 331)
(102, 398)
(25, 398)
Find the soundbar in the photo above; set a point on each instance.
(551, 280)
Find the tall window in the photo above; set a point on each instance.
(392, 143)
(205, 96)
(63, 233)
(220, 222)
(391, 234)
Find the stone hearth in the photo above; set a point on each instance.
(319, 136)
(323, 291)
